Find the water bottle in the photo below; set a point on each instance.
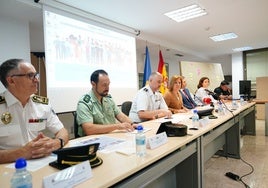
(234, 105)
(195, 119)
(21, 178)
(220, 109)
(140, 142)
(241, 101)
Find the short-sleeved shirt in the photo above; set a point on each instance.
(146, 100)
(89, 109)
(19, 125)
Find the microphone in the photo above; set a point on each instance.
(214, 95)
(209, 92)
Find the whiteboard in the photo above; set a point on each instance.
(193, 71)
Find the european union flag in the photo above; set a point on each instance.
(147, 68)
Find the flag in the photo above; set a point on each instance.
(162, 70)
(147, 68)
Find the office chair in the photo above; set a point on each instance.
(76, 135)
(126, 107)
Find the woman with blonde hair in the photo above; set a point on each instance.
(173, 97)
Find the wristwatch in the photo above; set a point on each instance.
(61, 142)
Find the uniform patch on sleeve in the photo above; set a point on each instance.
(86, 98)
(2, 100)
(40, 99)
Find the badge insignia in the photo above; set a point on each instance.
(6, 118)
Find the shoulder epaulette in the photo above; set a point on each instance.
(145, 89)
(86, 98)
(40, 99)
(2, 100)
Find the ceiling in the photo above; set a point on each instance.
(246, 18)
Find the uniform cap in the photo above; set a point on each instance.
(74, 155)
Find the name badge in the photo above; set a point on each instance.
(157, 140)
(69, 177)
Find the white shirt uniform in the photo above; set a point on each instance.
(19, 125)
(146, 100)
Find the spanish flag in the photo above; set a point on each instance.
(162, 70)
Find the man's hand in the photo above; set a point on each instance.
(126, 126)
(41, 146)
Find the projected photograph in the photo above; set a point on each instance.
(70, 42)
(74, 48)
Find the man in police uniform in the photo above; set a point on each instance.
(149, 103)
(24, 115)
(96, 111)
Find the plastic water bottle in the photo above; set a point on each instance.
(220, 109)
(234, 105)
(195, 119)
(21, 178)
(242, 101)
(140, 142)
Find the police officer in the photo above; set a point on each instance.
(24, 115)
(97, 112)
(149, 103)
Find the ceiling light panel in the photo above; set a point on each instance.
(186, 13)
(222, 37)
(245, 48)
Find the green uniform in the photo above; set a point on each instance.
(89, 109)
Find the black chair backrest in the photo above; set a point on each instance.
(76, 135)
(126, 107)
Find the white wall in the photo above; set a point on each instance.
(226, 63)
(237, 72)
(15, 40)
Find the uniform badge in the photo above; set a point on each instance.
(6, 118)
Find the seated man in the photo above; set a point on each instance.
(24, 115)
(223, 91)
(149, 103)
(187, 99)
(96, 111)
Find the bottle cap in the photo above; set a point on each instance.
(140, 128)
(20, 163)
(195, 111)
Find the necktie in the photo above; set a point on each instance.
(188, 97)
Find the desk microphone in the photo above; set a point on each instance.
(209, 92)
(214, 95)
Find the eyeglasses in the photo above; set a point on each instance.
(31, 75)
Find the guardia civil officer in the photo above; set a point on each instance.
(149, 103)
(25, 115)
(97, 112)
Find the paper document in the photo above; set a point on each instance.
(36, 164)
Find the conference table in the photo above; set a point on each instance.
(177, 163)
